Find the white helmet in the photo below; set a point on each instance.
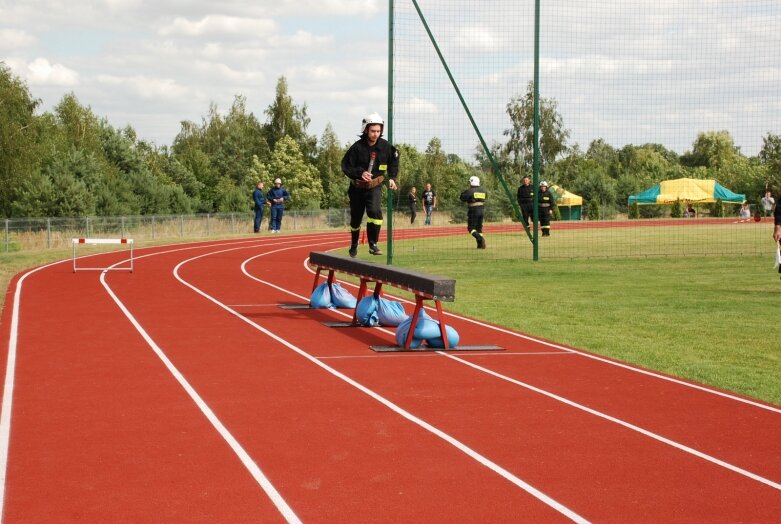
(373, 118)
(543, 183)
(474, 181)
(277, 180)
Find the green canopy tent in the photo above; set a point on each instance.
(685, 190)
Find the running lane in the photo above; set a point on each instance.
(102, 429)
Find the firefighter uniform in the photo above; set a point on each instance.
(383, 159)
(475, 200)
(546, 203)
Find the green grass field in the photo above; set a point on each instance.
(711, 319)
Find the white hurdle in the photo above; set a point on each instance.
(95, 241)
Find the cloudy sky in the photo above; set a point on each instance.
(152, 64)
(634, 71)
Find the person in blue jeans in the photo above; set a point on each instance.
(259, 196)
(429, 202)
(277, 196)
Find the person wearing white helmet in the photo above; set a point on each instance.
(368, 163)
(474, 196)
(277, 195)
(546, 203)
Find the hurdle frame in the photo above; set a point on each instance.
(96, 241)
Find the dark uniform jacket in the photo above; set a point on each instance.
(474, 196)
(526, 195)
(358, 157)
(777, 214)
(259, 197)
(546, 202)
(277, 192)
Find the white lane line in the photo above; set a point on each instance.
(432, 353)
(240, 452)
(620, 422)
(10, 369)
(496, 468)
(628, 425)
(10, 378)
(591, 356)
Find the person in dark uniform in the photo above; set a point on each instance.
(546, 202)
(474, 197)
(277, 195)
(526, 200)
(777, 228)
(367, 164)
(259, 197)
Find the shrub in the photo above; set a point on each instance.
(634, 211)
(593, 210)
(676, 211)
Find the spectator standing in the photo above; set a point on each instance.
(767, 203)
(367, 163)
(259, 197)
(413, 204)
(526, 200)
(277, 195)
(474, 196)
(429, 202)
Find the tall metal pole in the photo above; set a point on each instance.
(536, 161)
(389, 128)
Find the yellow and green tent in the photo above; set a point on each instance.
(570, 205)
(687, 190)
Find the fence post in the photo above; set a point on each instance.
(208, 224)
(122, 227)
(181, 225)
(7, 240)
(233, 222)
(153, 227)
(48, 233)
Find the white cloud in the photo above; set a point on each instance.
(42, 73)
(219, 25)
(477, 38)
(147, 87)
(302, 40)
(325, 7)
(420, 106)
(15, 39)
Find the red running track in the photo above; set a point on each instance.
(182, 392)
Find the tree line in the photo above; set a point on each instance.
(71, 162)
